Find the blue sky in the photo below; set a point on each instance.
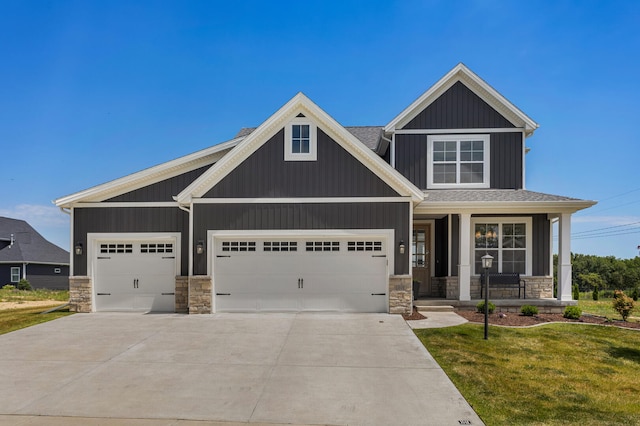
(91, 91)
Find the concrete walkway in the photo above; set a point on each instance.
(134, 369)
(437, 320)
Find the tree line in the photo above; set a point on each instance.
(605, 272)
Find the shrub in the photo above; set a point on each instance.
(529, 310)
(572, 312)
(24, 285)
(634, 294)
(623, 304)
(595, 294)
(576, 292)
(480, 307)
(8, 287)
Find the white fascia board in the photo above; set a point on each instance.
(477, 207)
(149, 176)
(299, 104)
(487, 93)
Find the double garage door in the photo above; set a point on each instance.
(347, 274)
(135, 276)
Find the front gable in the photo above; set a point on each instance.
(334, 173)
(246, 171)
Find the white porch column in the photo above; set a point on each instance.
(564, 257)
(464, 268)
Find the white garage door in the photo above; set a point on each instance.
(300, 274)
(135, 276)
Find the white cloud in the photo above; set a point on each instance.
(37, 216)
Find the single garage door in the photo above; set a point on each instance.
(300, 274)
(135, 276)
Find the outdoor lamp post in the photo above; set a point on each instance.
(487, 261)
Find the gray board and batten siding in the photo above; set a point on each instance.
(540, 241)
(335, 173)
(506, 159)
(129, 220)
(458, 108)
(304, 216)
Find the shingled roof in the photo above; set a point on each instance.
(28, 245)
(492, 195)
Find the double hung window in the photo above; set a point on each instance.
(458, 161)
(15, 274)
(300, 140)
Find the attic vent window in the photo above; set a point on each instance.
(300, 140)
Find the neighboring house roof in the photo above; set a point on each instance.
(487, 93)
(28, 245)
(368, 135)
(496, 200)
(149, 176)
(297, 105)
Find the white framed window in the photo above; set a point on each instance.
(507, 239)
(300, 140)
(458, 161)
(15, 274)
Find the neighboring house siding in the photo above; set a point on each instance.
(164, 190)
(43, 276)
(335, 173)
(128, 220)
(506, 159)
(458, 108)
(5, 272)
(303, 216)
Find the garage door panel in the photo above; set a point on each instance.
(320, 275)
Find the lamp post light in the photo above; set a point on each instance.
(487, 261)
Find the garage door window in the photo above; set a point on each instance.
(280, 246)
(238, 246)
(323, 245)
(364, 246)
(156, 248)
(116, 248)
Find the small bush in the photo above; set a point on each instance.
(480, 307)
(572, 312)
(529, 310)
(576, 292)
(623, 304)
(8, 287)
(634, 294)
(24, 285)
(595, 294)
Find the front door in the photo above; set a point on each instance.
(420, 260)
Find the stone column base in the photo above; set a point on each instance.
(200, 297)
(400, 294)
(80, 294)
(182, 295)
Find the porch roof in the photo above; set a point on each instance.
(497, 201)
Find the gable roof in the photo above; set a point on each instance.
(28, 245)
(299, 104)
(149, 176)
(487, 93)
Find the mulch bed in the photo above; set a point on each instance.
(517, 320)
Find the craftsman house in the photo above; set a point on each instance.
(302, 213)
(25, 254)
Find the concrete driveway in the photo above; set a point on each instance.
(116, 369)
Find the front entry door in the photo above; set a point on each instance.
(420, 252)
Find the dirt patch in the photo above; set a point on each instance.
(415, 315)
(517, 320)
(29, 304)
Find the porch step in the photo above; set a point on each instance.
(436, 308)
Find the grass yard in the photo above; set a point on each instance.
(33, 295)
(604, 308)
(15, 319)
(557, 374)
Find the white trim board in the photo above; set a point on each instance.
(301, 200)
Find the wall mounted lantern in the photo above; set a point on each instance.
(78, 248)
(401, 247)
(200, 247)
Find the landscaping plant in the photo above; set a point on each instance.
(480, 307)
(623, 304)
(529, 310)
(572, 312)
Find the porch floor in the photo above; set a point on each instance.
(502, 305)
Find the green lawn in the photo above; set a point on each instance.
(27, 296)
(15, 319)
(604, 308)
(557, 374)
